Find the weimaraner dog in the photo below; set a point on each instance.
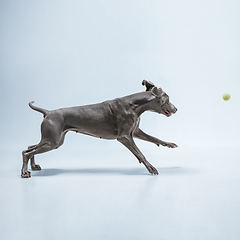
(114, 119)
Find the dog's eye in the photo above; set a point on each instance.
(162, 101)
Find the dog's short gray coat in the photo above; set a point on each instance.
(114, 119)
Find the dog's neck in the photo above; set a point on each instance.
(141, 101)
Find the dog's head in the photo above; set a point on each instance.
(160, 103)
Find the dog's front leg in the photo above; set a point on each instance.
(138, 133)
(128, 142)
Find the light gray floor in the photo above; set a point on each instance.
(103, 193)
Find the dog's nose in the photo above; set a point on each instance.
(176, 109)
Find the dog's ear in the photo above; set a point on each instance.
(149, 85)
(157, 92)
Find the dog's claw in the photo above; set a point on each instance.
(26, 174)
(36, 167)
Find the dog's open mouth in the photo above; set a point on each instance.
(168, 113)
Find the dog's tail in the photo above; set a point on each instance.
(41, 110)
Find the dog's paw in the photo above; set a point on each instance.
(172, 145)
(169, 145)
(25, 174)
(152, 170)
(36, 167)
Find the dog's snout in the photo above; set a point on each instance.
(173, 109)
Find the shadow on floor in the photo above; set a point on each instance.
(110, 171)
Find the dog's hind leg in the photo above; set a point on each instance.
(43, 146)
(34, 166)
(51, 135)
(138, 133)
(25, 173)
(128, 142)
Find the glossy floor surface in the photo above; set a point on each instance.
(102, 193)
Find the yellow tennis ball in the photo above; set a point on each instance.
(226, 96)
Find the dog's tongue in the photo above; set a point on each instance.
(168, 112)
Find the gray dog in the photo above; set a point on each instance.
(115, 119)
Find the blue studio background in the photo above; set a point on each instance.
(68, 53)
